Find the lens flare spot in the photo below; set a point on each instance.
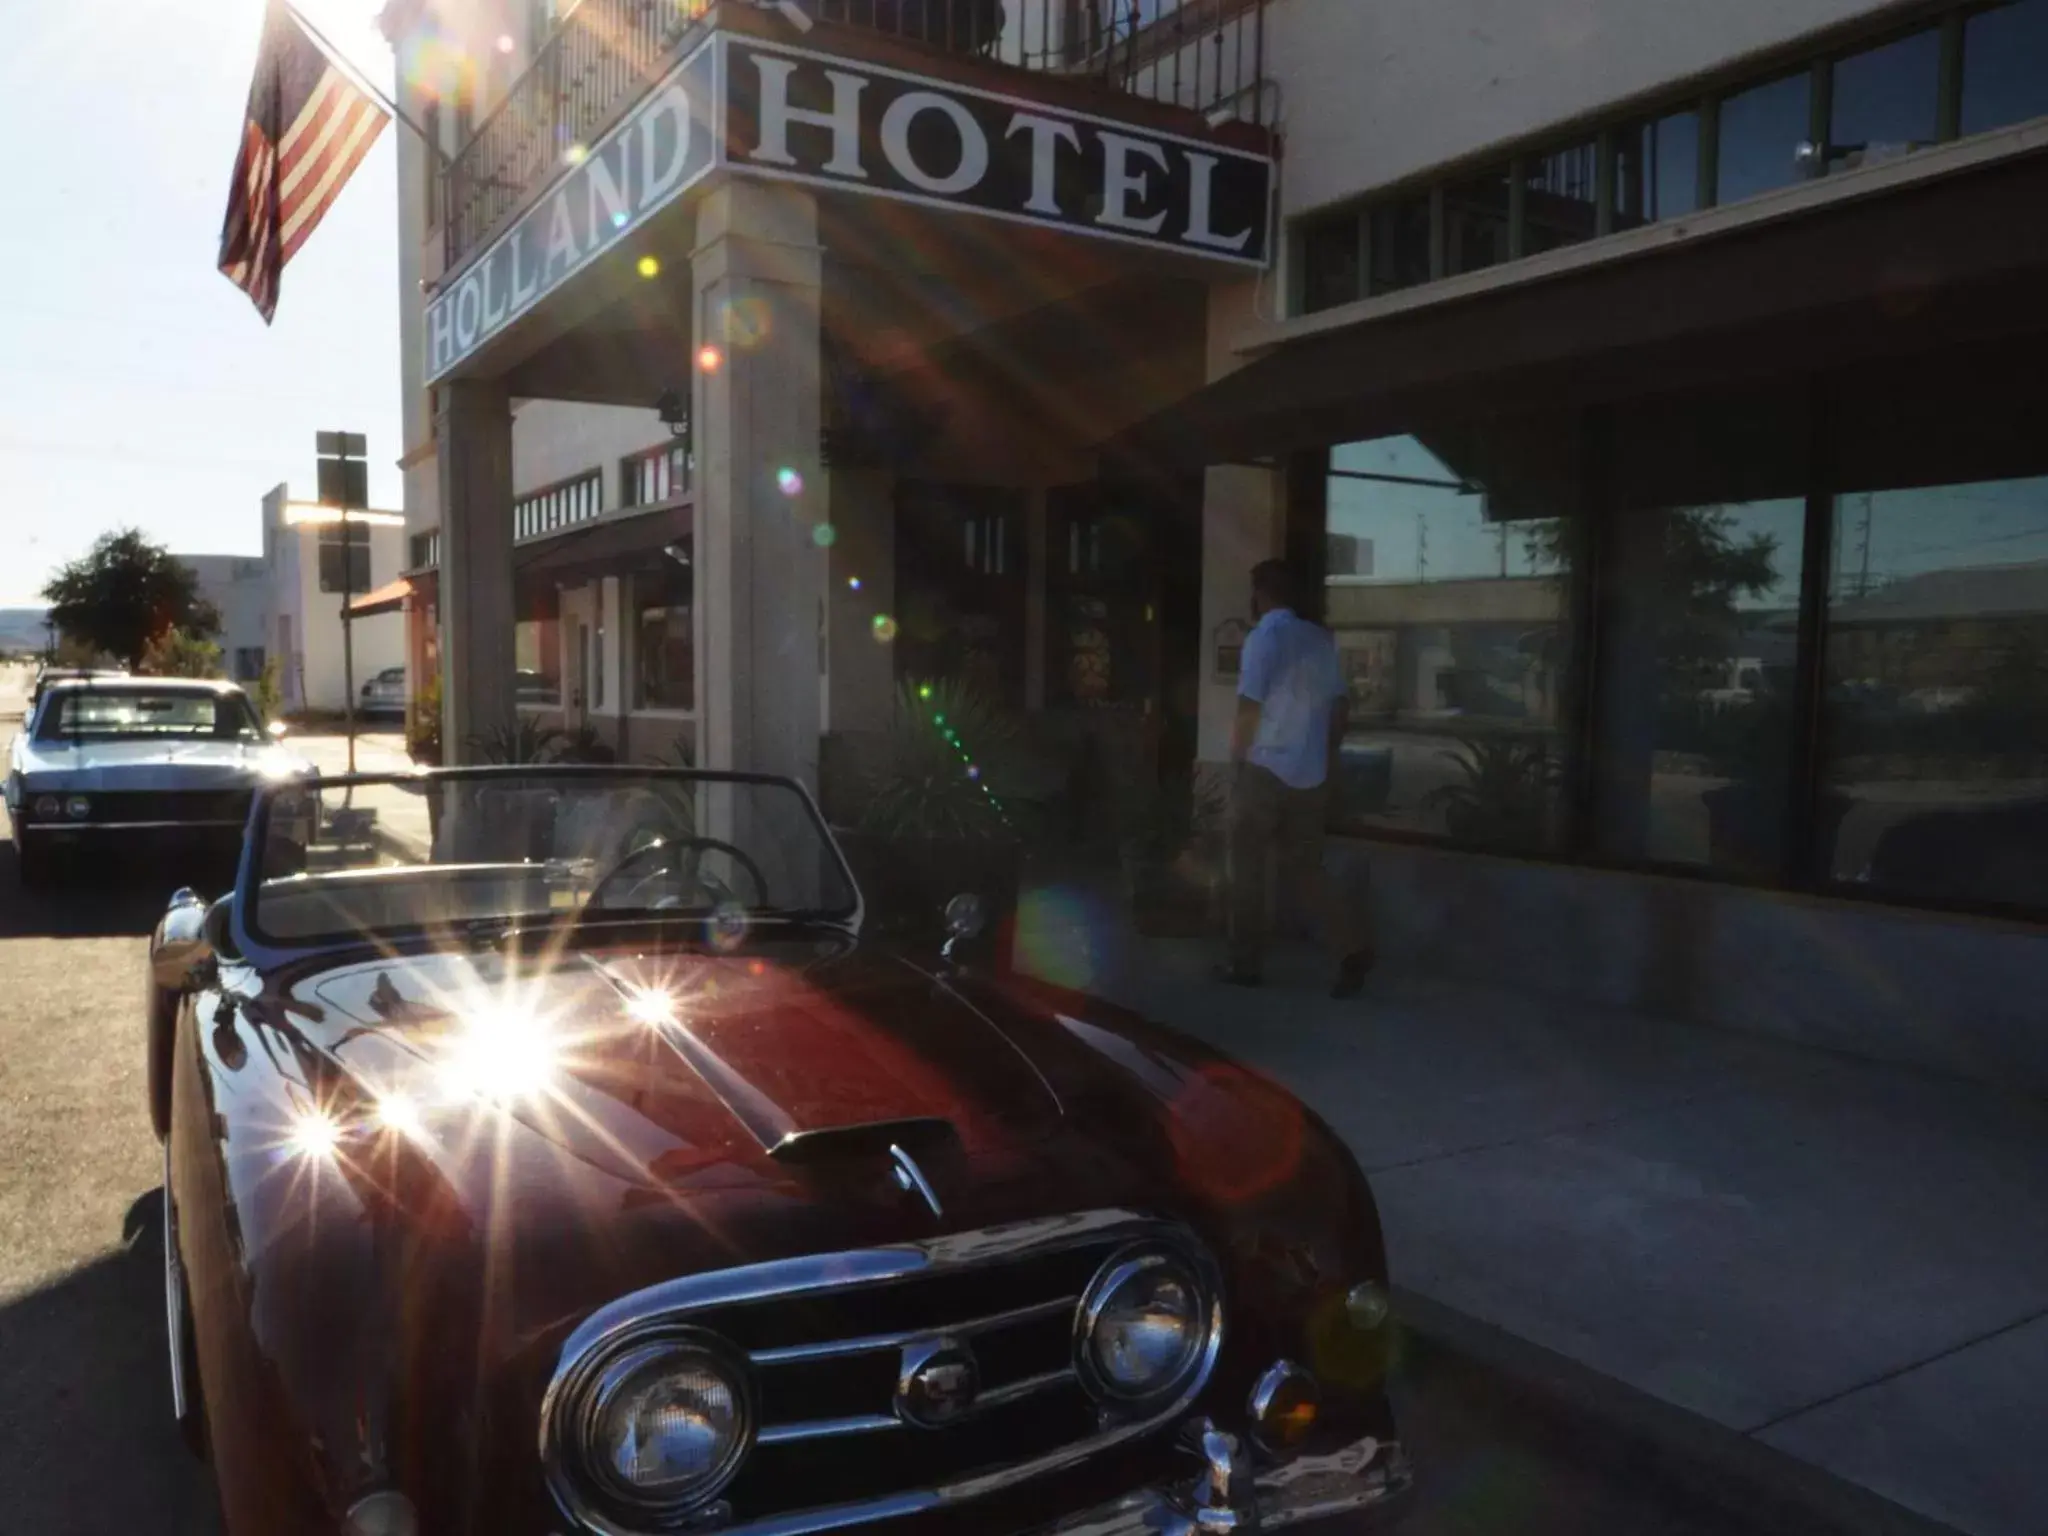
(709, 359)
(728, 926)
(924, 690)
(745, 323)
(647, 266)
(853, 583)
(506, 44)
(824, 535)
(576, 154)
(397, 1113)
(314, 1134)
(619, 219)
(651, 1006)
(789, 481)
(884, 628)
(974, 772)
(501, 1055)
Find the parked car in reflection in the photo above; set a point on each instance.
(583, 1169)
(108, 767)
(384, 695)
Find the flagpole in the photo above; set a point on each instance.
(362, 82)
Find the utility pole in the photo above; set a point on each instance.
(1421, 547)
(345, 487)
(1863, 581)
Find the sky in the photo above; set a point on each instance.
(138, 387)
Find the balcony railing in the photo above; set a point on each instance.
(1204, 55)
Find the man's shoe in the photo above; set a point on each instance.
(1236, 976)
(1351, 973)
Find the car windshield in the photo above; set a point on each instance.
(121, 714)
(462, 851)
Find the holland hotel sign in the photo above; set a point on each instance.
(767, 110)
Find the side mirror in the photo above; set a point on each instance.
(181, 952)
(277, 730)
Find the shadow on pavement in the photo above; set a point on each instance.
(123, 896)
(87, 1443)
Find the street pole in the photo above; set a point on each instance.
(348, 632)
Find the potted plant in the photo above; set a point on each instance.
(1172, 855)
(933, 823)
(1505, 794)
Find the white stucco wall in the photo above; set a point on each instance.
(553, 440)
(1376, 92)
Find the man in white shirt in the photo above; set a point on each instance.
(1292, 708)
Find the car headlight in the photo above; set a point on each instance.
(1145, 1328)
(48, 806)
(654, 1429)
(78, 807)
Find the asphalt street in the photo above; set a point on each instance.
(87, 1446)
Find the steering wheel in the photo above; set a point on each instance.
(683, 857)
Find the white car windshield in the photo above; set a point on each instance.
(109, 714)
(376, 856)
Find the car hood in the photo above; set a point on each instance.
(706, 1072)
(114, 765)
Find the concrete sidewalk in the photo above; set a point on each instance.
(1843, 1261)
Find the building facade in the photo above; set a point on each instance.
(1651, 391)
(303, 585)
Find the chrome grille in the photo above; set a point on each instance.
(825, 1338)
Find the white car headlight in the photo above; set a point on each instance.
(1144, 1328)
(48, 806)
(78, 807)
(666, 1425)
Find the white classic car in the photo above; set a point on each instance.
(107, 764)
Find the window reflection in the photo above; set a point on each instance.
(1476, 222)
(1885, 101)
(1657, 170)
(2005, 66)
(1400, 245)
(1761, 132)
(1330, 271)
(1937, 690)
(1560, 198)
(1448, 605)
(664, 634)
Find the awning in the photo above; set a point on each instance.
(609, 542)
(389, 598)
(1946, 259)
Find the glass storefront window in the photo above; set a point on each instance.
(664, 635)
(1885, 101)
(1476, 222)
(1657, 170)
(2005, 66)
(1762, 130)
(1399, 237)
(1937, 691)
(1449, 610)
(1699, 649)
(1330, 271)
(1560, 198)
(537, 660)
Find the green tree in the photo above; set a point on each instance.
(125, 593)
(180, 653)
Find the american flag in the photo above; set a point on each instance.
(308, 128)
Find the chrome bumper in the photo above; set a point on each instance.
(1228, 1495)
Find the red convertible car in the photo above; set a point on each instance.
(544, 1152)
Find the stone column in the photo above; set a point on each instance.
(761, 492)
(475, 451)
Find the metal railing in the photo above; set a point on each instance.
(1204, 55)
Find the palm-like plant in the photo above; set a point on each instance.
(940, 774)
(1505, 795)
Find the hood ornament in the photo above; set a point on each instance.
(911, 1177)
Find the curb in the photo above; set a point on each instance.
(1596, 1416)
